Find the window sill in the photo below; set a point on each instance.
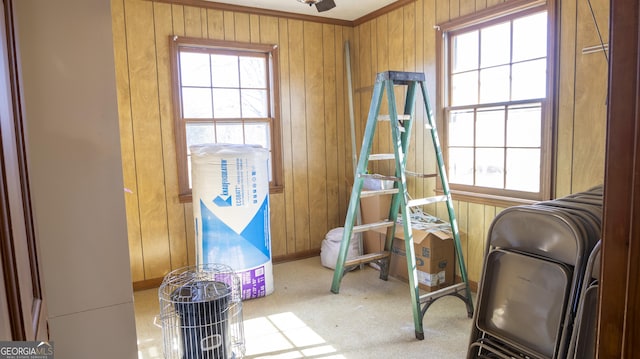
(487, 199)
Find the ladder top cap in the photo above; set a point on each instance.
(401, 76)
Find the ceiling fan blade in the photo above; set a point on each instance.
(325, 5)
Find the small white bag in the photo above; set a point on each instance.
(331, 247)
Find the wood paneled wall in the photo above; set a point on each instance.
(315, 122)
(315, 128)
(405, 40)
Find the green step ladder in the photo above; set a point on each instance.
(401, 125)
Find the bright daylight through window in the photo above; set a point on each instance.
(496, 106)
(224, 93)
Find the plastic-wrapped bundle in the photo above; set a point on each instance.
(230, 191)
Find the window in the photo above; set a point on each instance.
(497, 104)
(224, 92)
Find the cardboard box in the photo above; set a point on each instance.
(435, 256)
(374, 209)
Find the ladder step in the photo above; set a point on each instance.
(428, 200)
(400, 118)
(372, 226)
(378, 192)
(382, 156)
(367, 258)
(442, 292)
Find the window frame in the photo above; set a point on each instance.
(502, 12)
(177, 43)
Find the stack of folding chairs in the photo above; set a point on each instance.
(539, 281)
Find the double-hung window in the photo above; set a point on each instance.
(497, 104)
(224, 92)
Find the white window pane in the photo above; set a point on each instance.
(464, 88)
(229, 133)
(226, 103)
(529, 80)
(194, 69)
(253, 72)
(523, 126)
(490, 167)
(196, 102)
(460, 128)
(254, 103)
(224, 70)
(530, 37)
(523, 169)
(465, 52)
(461, 165)
(495, 47)
(257, 134)
(494, 84)
(490, 128)
(199, 133)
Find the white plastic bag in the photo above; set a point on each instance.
(331, 247)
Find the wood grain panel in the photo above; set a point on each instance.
(178, 20)
(315, 132)
(204, 24)
(147, 138)
(191, 233)
(462, 216)
(409, 64)
(254, 28)
(454, 8)
(175, 210)
(566, 96)
(330, 48)
(229, 26)
(215, 24)
(442, 11)
(278, 227)
(496, 2)
(241, 27)
(590, 104)
(299, 135)
(467, 7)
(429, 68)
(287, 142)
(192, 22)
(396, 46)
(343, 127)
(481, 4)
(268, 34)
(126, 141)
(364, 70)
(418, 127)
(476, 241)
(489, 215)
(268, 26)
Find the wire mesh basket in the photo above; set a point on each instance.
(201, 313)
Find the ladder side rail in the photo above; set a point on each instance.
(354, 201)
(447, 192)
(400, 200)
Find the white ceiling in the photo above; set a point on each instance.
(345, 9)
